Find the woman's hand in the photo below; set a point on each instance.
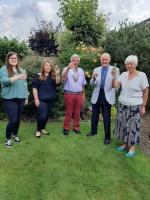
(37, 102)
(26, 101)
(22, 77)
(142, 111)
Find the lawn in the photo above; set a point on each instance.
(56, 167)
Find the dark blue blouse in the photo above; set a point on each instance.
(46, 88)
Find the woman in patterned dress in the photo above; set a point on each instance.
(132, 101)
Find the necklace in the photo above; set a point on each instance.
(75, 75)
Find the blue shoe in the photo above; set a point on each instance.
(130, 154)
(121, 148)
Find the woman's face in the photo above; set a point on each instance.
(13, 60)
(47, 67)
(130, 66)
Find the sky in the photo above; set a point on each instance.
(17, 17)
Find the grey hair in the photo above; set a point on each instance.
(74, 56)
(107, 55)
(132, 59)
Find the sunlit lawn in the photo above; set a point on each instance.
(56, 167)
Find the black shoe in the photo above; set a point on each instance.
(90, 134)
(77, 131)
(66, 132)
(106, 141)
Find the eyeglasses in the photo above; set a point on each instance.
(13, 58)
(75, 60)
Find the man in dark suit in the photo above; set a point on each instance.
(103, 96)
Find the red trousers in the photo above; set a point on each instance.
(73, 105)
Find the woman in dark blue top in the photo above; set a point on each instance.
(44, 92)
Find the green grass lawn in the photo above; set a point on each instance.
(56, 167)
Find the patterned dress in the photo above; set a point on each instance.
(128, 124)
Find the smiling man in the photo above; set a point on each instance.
(103, 96)
(74, 81)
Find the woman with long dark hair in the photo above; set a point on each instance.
(44, 92)
(14, 91)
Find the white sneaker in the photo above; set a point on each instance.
(44, 132)
(16, 139)
(8, 143)
(38, 134)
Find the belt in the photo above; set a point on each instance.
(69, 92)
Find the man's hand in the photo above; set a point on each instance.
(94, 75)
(70, 65)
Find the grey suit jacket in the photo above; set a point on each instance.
(109, 91)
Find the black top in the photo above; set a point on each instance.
(46, 88)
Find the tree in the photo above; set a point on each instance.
(130, 39)
(7, 45)
(42, 40)
(83, 19)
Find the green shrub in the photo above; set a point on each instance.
(7, 45)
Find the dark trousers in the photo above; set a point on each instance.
(106, 113)
(13, 109)
(42, 113)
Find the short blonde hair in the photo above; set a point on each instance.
(132, 59)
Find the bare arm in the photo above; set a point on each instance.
(36, 98)
(145, 98)
(65, 74)
(115, 84)
(58, 79)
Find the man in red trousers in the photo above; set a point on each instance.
(74, 82)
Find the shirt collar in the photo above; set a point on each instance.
(105, 68)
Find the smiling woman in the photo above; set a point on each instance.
(14, 92)
(132, 101)
(44, 92)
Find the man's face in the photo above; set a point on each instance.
(75, 61)
(105, 60)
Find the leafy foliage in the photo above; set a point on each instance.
(83, 19)
(130, 39)
(7, 45)
(42, 40)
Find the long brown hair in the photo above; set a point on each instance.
(42, 74)
(9, 66)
